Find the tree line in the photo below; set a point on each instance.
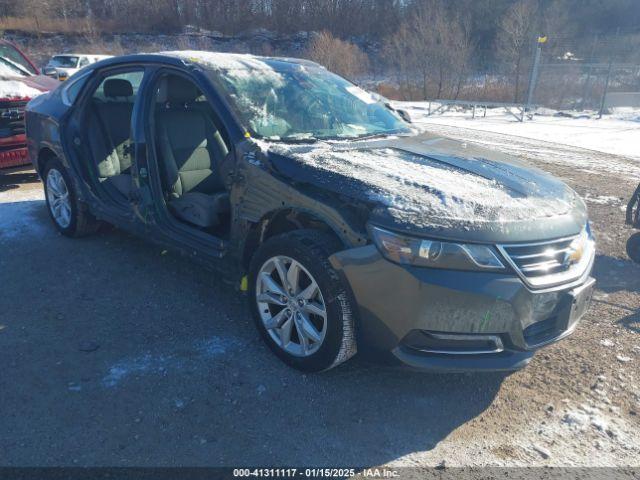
(432, 48)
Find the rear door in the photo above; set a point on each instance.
(98, 137)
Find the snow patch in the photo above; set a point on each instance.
(160, 364)
(618, 133)
(145, 364)
(215, 346)
(602, 199)
(236, 65)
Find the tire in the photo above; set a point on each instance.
(79, 221)
(633, 247)
(310, 249)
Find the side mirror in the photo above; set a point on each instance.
(404, 115)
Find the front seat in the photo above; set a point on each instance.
(191, 150)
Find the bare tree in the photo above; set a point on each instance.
(514, 38)
(434, 47)
(399, 54)
(343, 58)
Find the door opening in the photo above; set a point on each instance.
(109, 128)
(193, 155)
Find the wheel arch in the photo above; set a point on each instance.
(44, 155)
(282, 221)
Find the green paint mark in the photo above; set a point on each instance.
(485, 319)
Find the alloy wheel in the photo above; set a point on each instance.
(58, 198)
(291, 306)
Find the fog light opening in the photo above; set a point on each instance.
(453, 343)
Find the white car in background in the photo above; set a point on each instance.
(63, 66)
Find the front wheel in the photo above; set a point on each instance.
(301, 306)
(69, 215)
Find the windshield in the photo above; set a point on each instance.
(284, 101)
(12, 62)
(64, 62)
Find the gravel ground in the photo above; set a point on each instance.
(115, 354)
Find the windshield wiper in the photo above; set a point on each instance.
(16, 66)
(293, 139)
(369, 136)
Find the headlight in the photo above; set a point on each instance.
(435, 253)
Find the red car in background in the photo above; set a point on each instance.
(20, 81)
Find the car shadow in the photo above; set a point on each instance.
(12, 179)
(140, 357)
(631, 321)
(615, 274)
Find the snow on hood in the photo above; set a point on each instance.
(16, 89)
(7, 71)
(429, 188)
(11, 85)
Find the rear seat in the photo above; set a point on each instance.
(109, 134)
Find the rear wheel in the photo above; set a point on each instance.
(70, 216)
(633, 247)
(300, 304)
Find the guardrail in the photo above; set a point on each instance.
(517, 110)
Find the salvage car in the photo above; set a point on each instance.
(65, 65)
(632, 218)
(350, 229)
(20, 81)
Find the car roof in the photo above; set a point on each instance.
(80, 55)
(207, 60)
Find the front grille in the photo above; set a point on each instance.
(12, 118)
(539, 260)
(554, 262)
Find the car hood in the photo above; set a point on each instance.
(432, 185)
(16, 86)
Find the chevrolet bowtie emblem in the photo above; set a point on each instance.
(13, 114)
(573, 255)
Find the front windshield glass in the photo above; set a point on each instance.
(64, 62)
(12, 62)
(284, 101)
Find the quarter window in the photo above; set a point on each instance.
(70, 93)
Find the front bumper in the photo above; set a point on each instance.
(13, 151)
(455, 320)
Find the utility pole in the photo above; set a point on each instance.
(542, 39)
(606, 83)
(606, 90)
(587, 83)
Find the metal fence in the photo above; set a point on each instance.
(558, 73)
(571, 81)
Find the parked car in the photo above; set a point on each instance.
(63, 66)
(20, 80)
(632, 219)
(349, 229)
